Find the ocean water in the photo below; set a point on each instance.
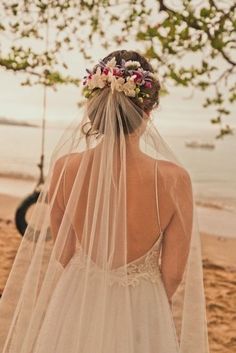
(213, 171)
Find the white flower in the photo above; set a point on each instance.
(152, 75)
(117, 84)
(111, 63)
(129, 88)
(98, 80)
(134, 64)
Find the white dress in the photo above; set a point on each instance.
(151, 328)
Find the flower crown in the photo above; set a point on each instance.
(128, 78)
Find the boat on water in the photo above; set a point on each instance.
(199, 144)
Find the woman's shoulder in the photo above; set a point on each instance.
(67, 160)
(174, 172)
(172, 167)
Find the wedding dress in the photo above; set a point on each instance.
(152, 328)
(72, 288)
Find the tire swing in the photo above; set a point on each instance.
(22, 210)
(20, 214)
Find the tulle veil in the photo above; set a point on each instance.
(81, 214)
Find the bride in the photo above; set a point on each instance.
(111, 260)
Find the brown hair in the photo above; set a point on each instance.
(149, 102)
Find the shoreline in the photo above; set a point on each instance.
(213, 217)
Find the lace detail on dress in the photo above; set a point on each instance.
(145, 267)
(132, 274)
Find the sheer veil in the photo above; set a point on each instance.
(82, 216)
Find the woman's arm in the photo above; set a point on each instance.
(56, 201)
(177, 236)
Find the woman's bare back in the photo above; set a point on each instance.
(142, 221)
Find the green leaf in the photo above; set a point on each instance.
(184, 34)
(141, 36)
(217, 43)
(205, 12)
(152, 32)
(223, 111)
(203, 85)
(150, 53)
(232, 97)
(216, 120)
(204, 64)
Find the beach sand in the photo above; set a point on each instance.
(219, 266)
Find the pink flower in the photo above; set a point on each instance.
(148, 84)
(137, 77)
(105, 71)
(117, 72)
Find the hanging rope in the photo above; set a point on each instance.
(43, 127)
(20, 215)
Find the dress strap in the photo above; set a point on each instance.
(63, 177)
(157, 201)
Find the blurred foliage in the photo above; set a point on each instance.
(204, 27)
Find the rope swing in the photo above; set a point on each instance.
(30, 200)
